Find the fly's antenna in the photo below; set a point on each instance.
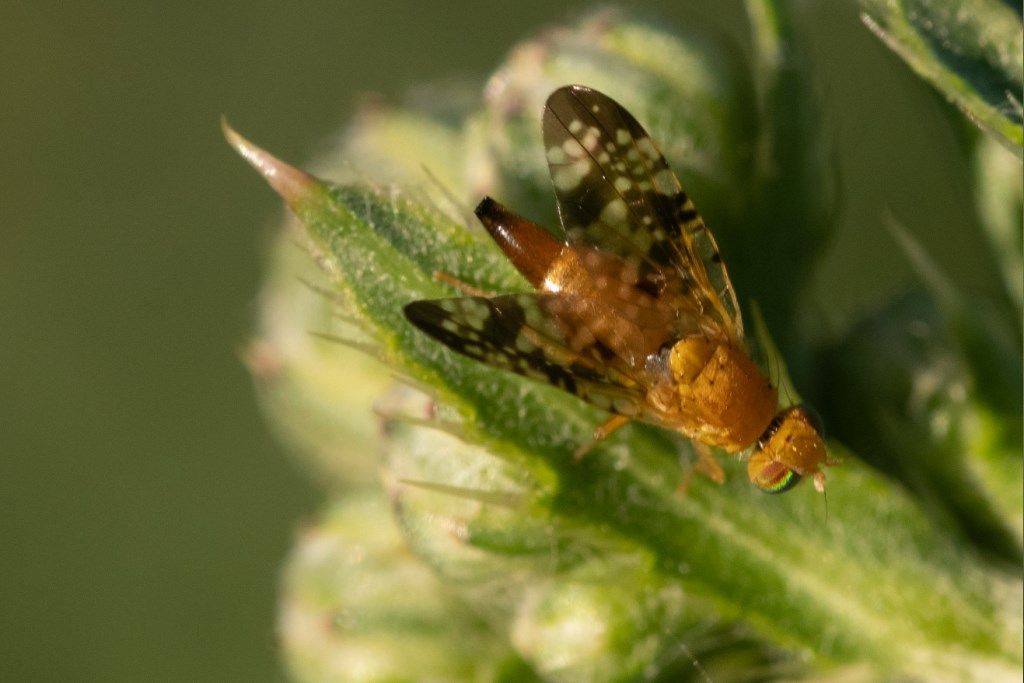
(786, 386)
(771, 364)
(775, 375)
(777, 372)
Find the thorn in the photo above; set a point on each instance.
(506, 499)
(289, 182)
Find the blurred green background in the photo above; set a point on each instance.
(146, 510)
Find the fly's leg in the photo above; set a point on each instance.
(707, 464)
(603, 431)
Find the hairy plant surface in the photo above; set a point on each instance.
(466, 544)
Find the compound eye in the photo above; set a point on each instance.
(786, 480)
(773, 476)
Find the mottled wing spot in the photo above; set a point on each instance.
(569, 177)
(557, 155)
(524, 344)
(590, 139)
(614, 212)
(573, 149)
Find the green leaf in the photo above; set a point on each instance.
(910, 403)
(579, 602)
(986, 339)
(319, 395)
(972, 51)
(774, 562)
(999, 182)
(932, 387)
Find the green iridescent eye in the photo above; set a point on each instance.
(786, 480)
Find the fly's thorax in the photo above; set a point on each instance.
(722, 391)
(792, 447)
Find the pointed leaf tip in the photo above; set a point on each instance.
(289, 182)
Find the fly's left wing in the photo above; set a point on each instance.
(534, 335)
(617, 193)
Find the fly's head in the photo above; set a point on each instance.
(791, 448)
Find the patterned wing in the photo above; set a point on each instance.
(530, 335)
(616, 192)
